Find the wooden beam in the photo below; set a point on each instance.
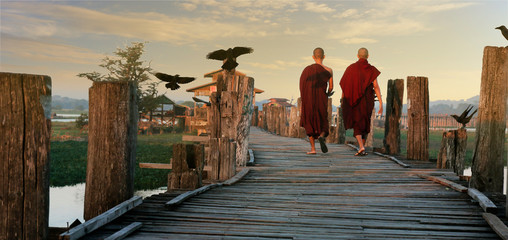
(156, 165)
(393, 159)
(124, 232)
(445, 182)
(184, 196)
(101, 220)
(165, 166)
(485, 203)
(191, 138)
(496, 224)
(237, 177)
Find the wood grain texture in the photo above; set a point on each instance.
(290, 195)
(487, 164)
(418, 118)
(395, 94)
(25, 124)
(111, 146)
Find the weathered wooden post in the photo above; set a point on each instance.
(301, 130)
(487, 166)
(341, 131)
(332, 136)
(243, 116)
(25, 127)
(395, 94)
(112, 138)
(187, 163)
(453, 150)
(255, 116)
(369, 143)
(293, 122)
(418, 118)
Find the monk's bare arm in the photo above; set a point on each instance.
(379, 97)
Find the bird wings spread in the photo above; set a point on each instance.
(185, 79)
(217, 55)
(237, 51)
(164, 77)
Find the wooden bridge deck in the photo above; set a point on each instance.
(289, 195)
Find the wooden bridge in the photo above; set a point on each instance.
(291, 195)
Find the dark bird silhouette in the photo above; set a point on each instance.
(463, 118)
(173, 81)
(229, 56)
(504, 31)
(201, 101)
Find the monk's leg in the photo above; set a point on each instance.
(361, 143)
(312, 146)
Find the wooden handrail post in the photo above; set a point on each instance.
(111, 146)
(395, 94)
(418, 118)
(25, 129)
(488, 164)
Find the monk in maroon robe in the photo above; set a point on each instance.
(359, 83)
(314, 112)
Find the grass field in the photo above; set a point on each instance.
(435, 137)
(68, 158)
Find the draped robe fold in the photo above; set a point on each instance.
(358, 101)
(314, 112)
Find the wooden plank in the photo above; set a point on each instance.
(191, 138)
(251, 158)
(484, 201)
(165, 166)
(156, 165)
(393, 159)
(445, 182)
(497, 225)
(237, 177)
(184, 196)
(101, 220)
(125, 231)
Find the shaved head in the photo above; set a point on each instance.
(363, 53)
(319, 53)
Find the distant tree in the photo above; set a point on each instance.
(82, 120)
(79, 108)
(148, 101)
(57, 107)
(127, 66)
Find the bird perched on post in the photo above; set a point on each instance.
(504, 31)
(463, 118)
(173, 81)
(229, 56)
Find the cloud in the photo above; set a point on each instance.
(290, 32)
(76, 21)
(355, 40)
(48, 52)
(348, 13)
(318, 8)
(442, 7)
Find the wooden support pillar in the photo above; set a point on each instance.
(341, 131)
(242, 118)
(418, 118)
(25, 129)
(488, 164)
(112, 138)
(395, 94)
(264, 124)
(188, 162)
(293, 122)
(369, 143)
(453, 151)
(301, 130)
(255, 116)
(331, 129)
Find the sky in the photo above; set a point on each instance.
(439, 39)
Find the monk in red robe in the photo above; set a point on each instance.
(359, 83)
(314, 112)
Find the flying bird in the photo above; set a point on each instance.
(201, 101)
(463, 118)
(173, 81)
(229, 56)
(504, 31)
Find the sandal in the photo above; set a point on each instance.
(321, 140)
(361, 153)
